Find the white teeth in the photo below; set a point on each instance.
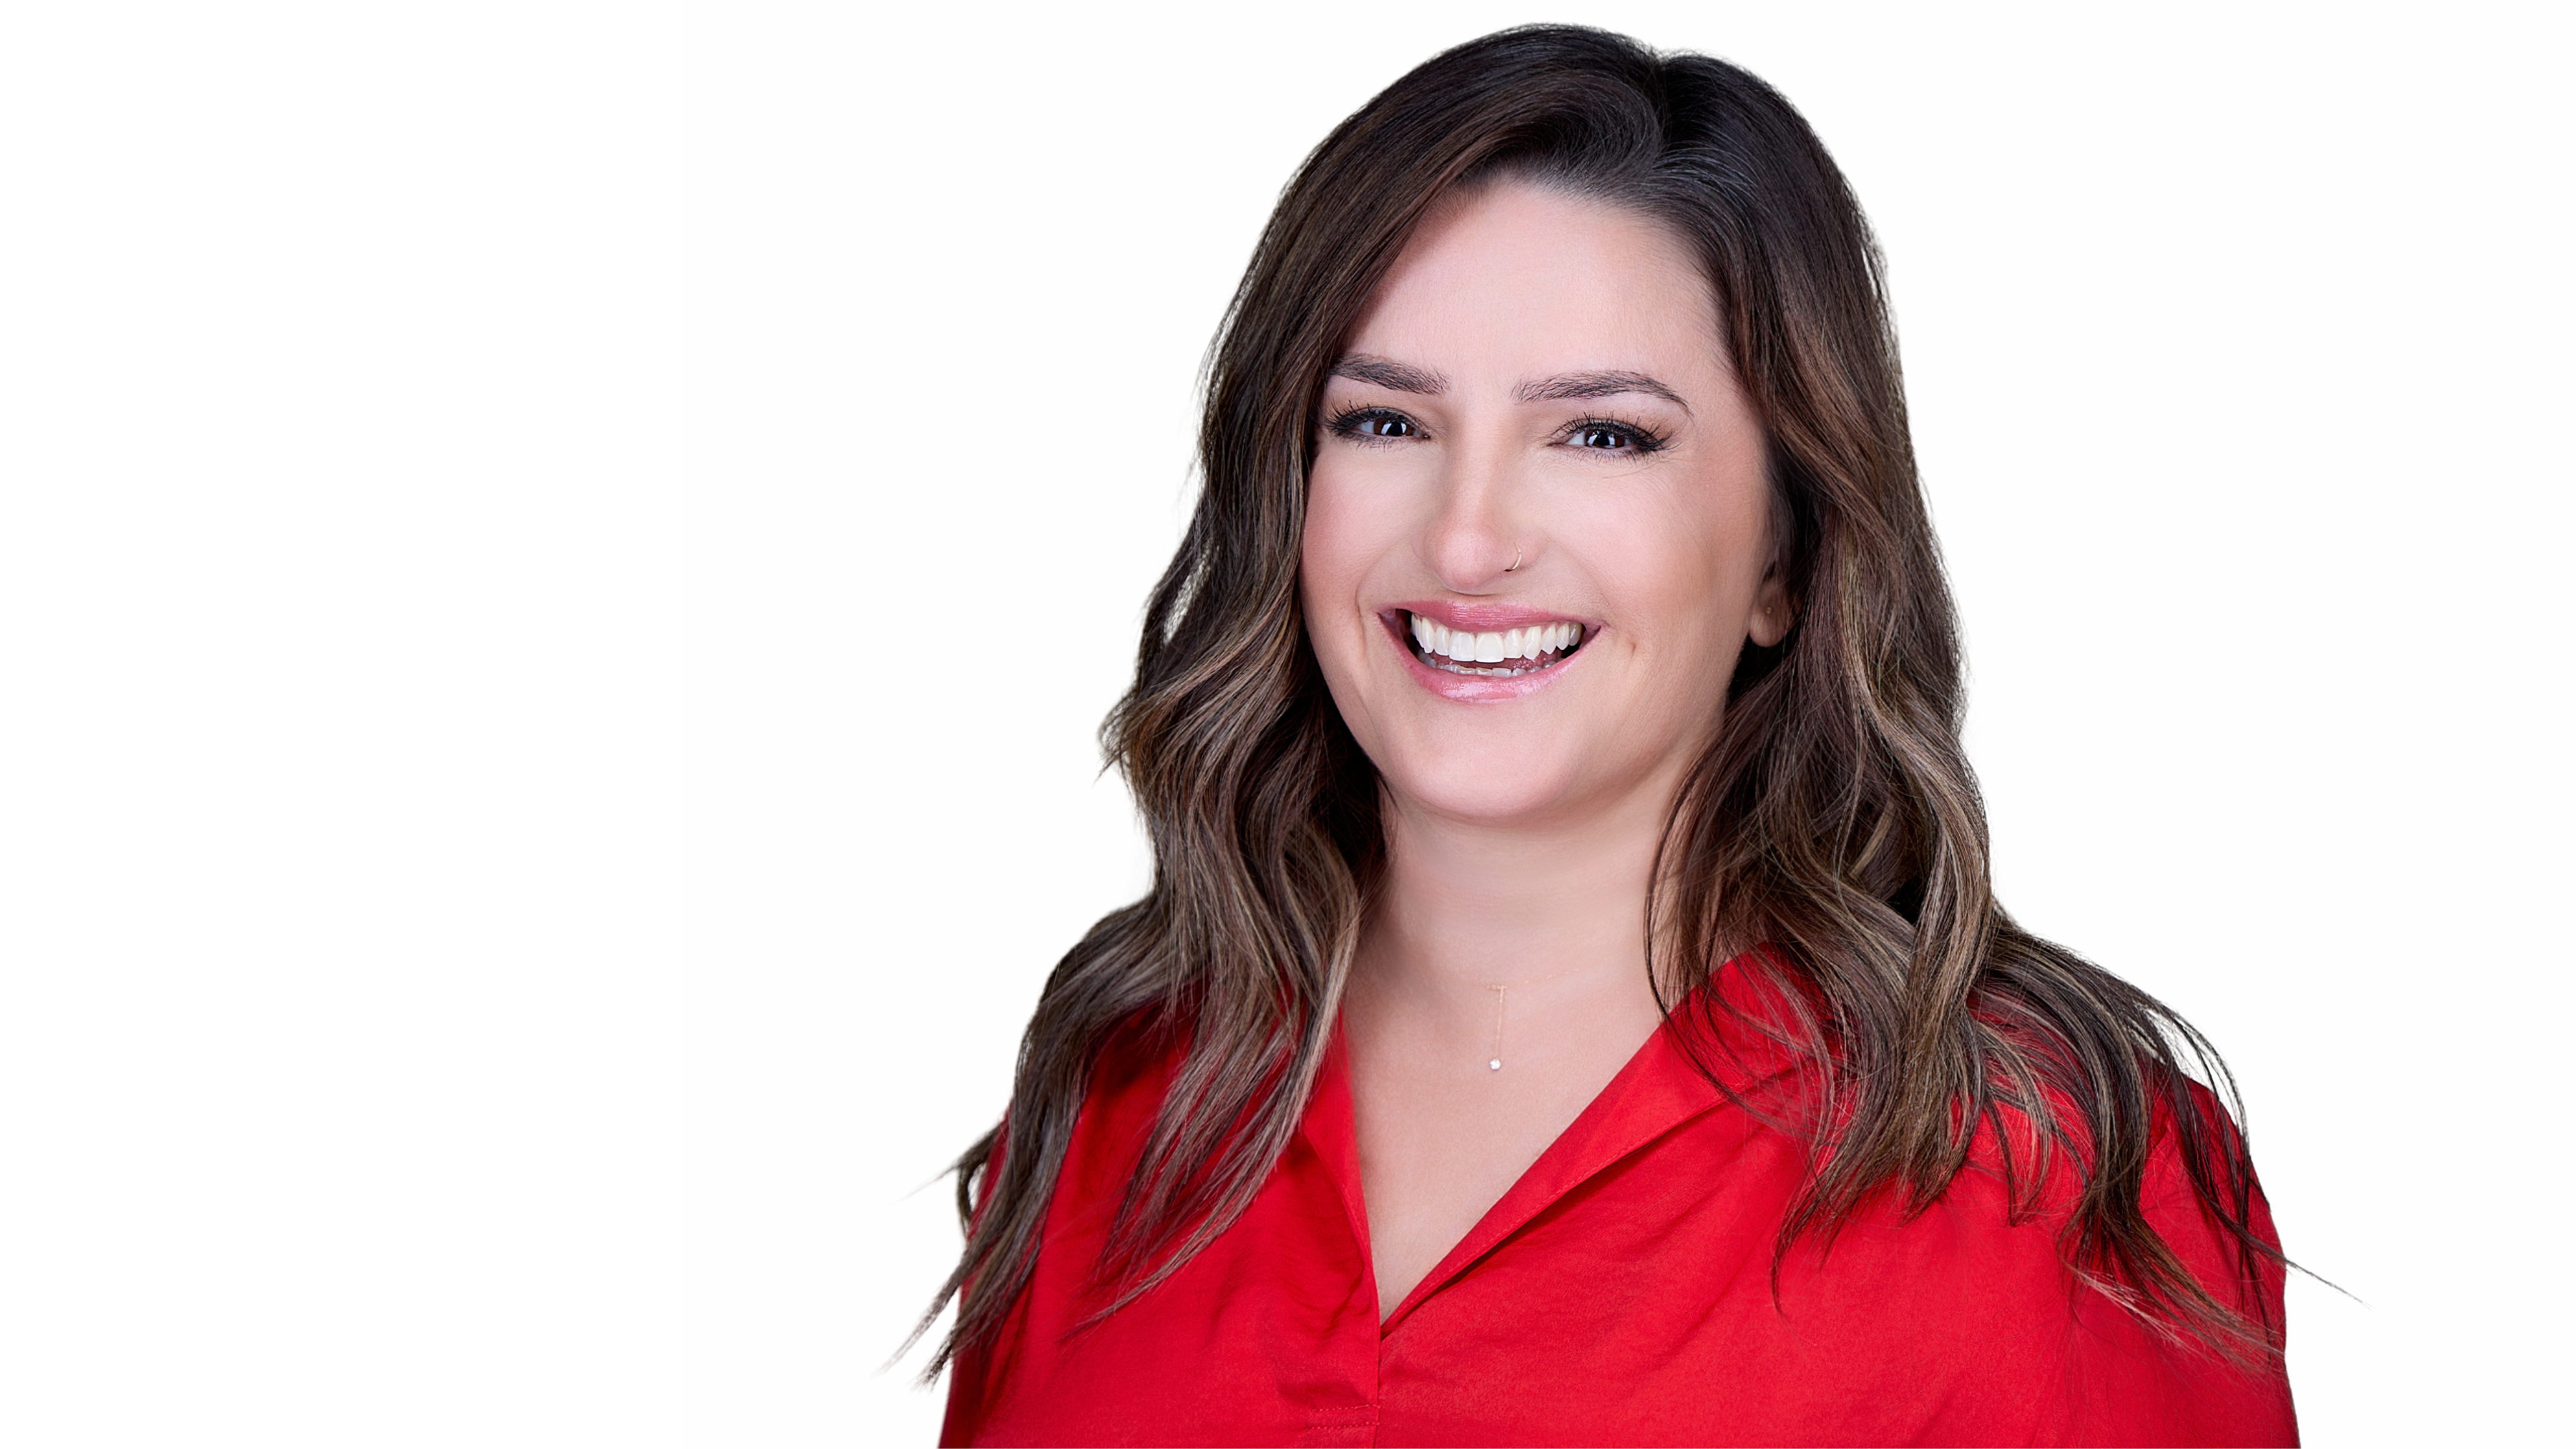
(1439, 641)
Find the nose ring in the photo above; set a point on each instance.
(1516, 559)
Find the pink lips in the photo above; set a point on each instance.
(1487, 618)
(1480, 618)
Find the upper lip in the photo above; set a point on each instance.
(1489, 618)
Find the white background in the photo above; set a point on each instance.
(351, 622)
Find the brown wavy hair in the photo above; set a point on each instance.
(1832, 815)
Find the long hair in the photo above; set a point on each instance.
(1833, 816)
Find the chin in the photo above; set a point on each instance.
(1498, 792)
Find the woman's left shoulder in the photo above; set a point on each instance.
(2021, 1173)
(2030, 1314)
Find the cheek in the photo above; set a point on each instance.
(1337, 548)
(1324, 578)
(1335, 552)
(1686, 578)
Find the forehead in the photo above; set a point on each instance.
(1520, 279)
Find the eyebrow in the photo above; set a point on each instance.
(1360, 367)
(1574, 386)
(1564, 387)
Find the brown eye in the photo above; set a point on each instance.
(1608, 435)
(1375, 423)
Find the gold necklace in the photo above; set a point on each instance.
(1502, 993)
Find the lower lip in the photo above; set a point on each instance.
(1474, 688)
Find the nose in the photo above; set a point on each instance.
(1472, 539)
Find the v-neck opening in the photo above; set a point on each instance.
(1656, 1091)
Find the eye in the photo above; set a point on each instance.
(1608, 435)
(1370, 425)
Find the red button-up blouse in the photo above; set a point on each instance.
(1619, 1293)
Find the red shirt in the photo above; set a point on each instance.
(1619, 1293)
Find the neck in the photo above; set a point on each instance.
(1465, 906)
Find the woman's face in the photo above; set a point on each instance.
(1535, 458)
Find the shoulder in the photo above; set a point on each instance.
(1130, 1075)
(1123, 1090)
(2195, 1175)
(2021, 1172)
(2039, 1317)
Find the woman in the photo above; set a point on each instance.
(1570, 1006)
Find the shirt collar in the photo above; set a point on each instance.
(1725, 1029)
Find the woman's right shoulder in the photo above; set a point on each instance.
(1131, 1070)
(1131, 1073)
(1137, 1057)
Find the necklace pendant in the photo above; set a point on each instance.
(1495, 1065)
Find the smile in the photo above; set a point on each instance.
(1506, 654)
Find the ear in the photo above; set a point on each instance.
(1772, 610)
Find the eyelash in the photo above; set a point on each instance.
(1641, 439)
(1346, 424)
